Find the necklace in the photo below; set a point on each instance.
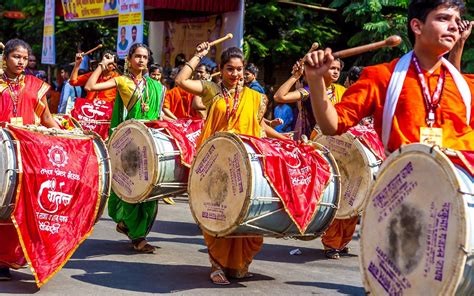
(139, 86)
(226, 95)
(13, 90)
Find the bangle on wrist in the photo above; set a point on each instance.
(189, 65)
(198, 56)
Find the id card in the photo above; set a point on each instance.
(16, 120)
(431, 136)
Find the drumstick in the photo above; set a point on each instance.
(222, 39)
(391, 41)
(92, 50)
(2, 46)
(215, 74)
(314, 46)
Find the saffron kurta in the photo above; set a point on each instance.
(233, 255)
(106, 95)
(179, 102)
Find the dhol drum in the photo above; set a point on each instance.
(9, 165)
(229, 195)
(357, 165)
(417, 234)
(146, 163)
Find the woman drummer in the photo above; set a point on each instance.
(138, 97)
(230, 107)
(23, 101)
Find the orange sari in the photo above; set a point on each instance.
(232, 255)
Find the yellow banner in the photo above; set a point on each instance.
(76, 10)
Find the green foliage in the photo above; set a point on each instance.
(281, 32)
(376, 20)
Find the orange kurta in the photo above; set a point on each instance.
(106, 95)
(179, 102)
(232, 255)
(367, 97)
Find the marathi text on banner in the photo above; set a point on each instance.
(78, 10)
(57, 200)
(130, 25)
(48, 54)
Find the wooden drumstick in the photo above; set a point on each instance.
(92, 50)
(215, 74)
(222, 39)
(314, 46)
(2, 46)
(391, 41)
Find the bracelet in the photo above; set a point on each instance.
(198, 56)
(189, 65)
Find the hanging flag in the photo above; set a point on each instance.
(130, 25)
(48, 55)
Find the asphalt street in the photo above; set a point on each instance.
(106, 264)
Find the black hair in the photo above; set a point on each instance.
(252, 69)
(229, 53)
(156, 67)
(113, 54)
(179, 60)
(123, 28)
(134, 28)
(340, 62)
(13, 44)
(419, 9)
(206, 67)
(354, 73)
(134, 47)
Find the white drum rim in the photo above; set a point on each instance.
(139, 124)
(451, 284)
(248, 194)
(355, 211)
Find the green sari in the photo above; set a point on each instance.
(138, 218)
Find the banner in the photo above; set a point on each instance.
(94, 115)
(57, 199)
(48, 54)
(79, 10)
(182, 37)
(130, 25)
(368, 137)
(185, 132)
(297, 173)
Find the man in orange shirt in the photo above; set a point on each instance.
(420, 97)
(81, 80)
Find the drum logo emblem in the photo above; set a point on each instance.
(57, 155)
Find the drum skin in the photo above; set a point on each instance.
(229, 195)
(146, 163)
(357, 165)
(417, 233)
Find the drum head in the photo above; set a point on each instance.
(8, 177)
(356, 175)
(220, 184)
(132, 157)
(414, 232)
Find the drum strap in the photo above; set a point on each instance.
(395, 88)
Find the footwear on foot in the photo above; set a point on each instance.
(168, 200)
(331, 254)
(141, 245)
(122, 228)
(218, 277)
(5, 274)
(345, 250)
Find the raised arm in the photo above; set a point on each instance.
(184, 76)
(316, 64)
(77, 64)
(283, 94)
(455, 55)
(92, 84)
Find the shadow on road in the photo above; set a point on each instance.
(147, 277)
(341, 288)
(21, 283)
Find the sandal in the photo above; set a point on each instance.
(332, 254)
(122, 228)
(218, 277)
(168, 200)
(141, 245)
(345, 250)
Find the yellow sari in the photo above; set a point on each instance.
(232, 255)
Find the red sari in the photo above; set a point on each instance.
(29, 91)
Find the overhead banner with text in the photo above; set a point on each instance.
(130, 25)
(48, 54)
(79, 10)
